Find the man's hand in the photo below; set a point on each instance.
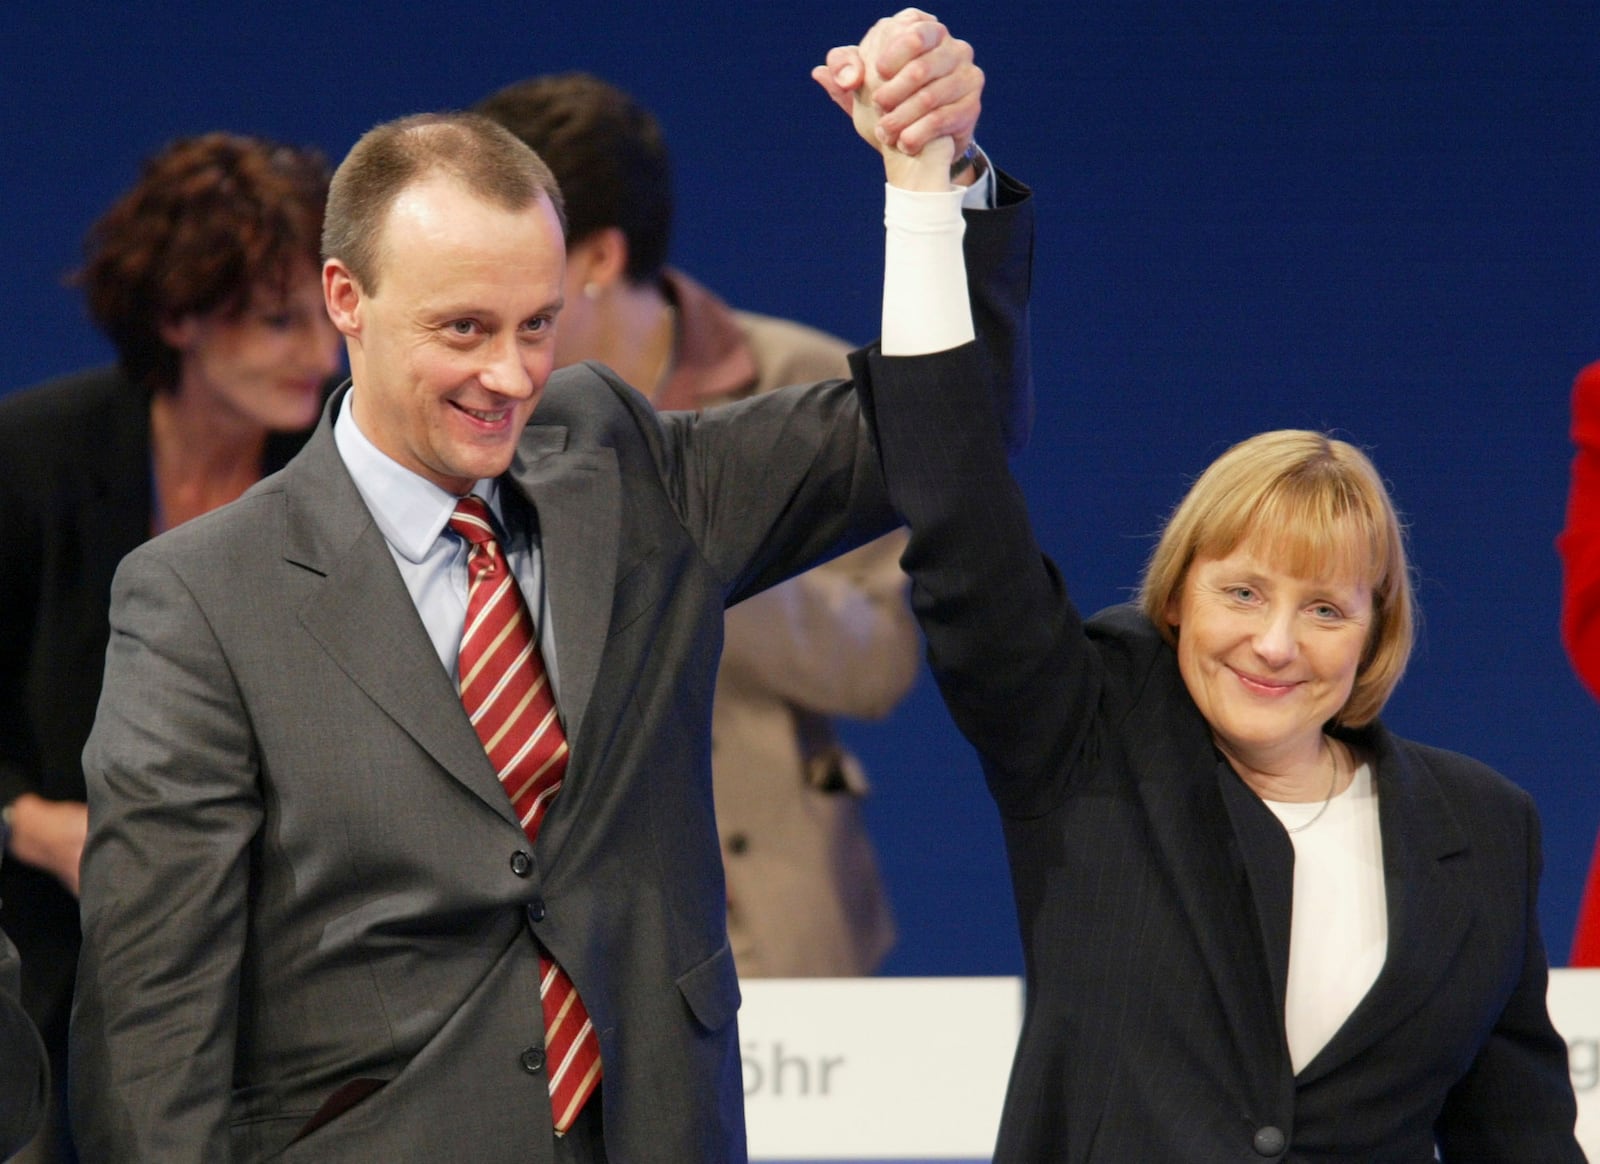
(49, 835)
(909, 86)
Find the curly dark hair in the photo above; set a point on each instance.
(211, 219)
(607, 152)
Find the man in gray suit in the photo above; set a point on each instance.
(804, 894)
(315, 928)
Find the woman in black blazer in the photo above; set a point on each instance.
(205, 275)
(1257, 926)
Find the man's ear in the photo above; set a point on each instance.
(344, 297)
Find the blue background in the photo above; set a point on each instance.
(1373, 217)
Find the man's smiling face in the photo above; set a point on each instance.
(451, 352)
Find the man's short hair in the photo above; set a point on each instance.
(607, 151)
(475, 151)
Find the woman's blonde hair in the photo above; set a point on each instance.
(1316, 504)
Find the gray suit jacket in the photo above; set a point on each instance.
(804, 894)
(303, 884)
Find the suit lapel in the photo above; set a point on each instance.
(1268, 857)
(115, 511)
(1184, 796)
(1430, 908)
(575, 496)
(362, 615)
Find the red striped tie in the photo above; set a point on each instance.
(507, 696)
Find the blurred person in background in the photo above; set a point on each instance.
(24, 1070)
(804, 894)
(205, 276)
(1579, 544)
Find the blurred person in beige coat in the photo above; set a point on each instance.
(804, 894)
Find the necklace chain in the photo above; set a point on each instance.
(1333, 782)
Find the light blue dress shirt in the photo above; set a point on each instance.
(413, 515)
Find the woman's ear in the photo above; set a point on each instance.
(599, 260)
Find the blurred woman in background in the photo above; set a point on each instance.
(205, 277)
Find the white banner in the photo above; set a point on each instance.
(1574, 997)
(902, 1069)
(877, 1068)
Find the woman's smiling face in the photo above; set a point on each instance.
(1267, 655)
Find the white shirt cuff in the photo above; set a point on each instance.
(925, 304)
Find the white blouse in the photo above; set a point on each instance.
(1339, 929)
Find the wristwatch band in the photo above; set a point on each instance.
(971, 158)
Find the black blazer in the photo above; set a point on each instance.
(74, 498)
(24, 1070)
(1153, 888)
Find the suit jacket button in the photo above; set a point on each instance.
(1269, 1141)
(521, 864)
(533, 1060)
(536, 910)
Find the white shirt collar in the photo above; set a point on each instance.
(410, 510)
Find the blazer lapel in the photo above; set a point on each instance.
(1195, 836)
(575, 496)
(1430, 908)
(362, 615)
(115, 510)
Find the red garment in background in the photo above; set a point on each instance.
(1579, 544)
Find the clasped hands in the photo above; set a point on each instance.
(913, 93)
